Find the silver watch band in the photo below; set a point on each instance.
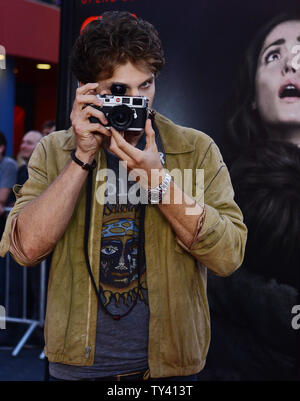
(155, 195)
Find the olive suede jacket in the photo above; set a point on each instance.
(179, 327)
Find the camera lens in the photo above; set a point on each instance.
(121, 117)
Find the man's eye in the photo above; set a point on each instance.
(272, 56)
(146, 84)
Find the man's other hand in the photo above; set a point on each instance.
(89, 136)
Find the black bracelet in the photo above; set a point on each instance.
(85, 166)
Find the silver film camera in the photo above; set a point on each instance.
(124, 113)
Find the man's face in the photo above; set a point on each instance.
(138, 81)
(29, 142)
(277, 83)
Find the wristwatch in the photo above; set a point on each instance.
(155, 195)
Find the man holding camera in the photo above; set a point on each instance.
(127, 287)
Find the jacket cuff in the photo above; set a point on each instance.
(16, 249)
(211, 220)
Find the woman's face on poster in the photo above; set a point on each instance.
(277, 81)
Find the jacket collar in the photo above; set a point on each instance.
(174, 137)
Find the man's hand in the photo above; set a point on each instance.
(89, 136)
(143, 161)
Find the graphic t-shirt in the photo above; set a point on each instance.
(119, 269)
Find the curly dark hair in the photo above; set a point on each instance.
(244, 125)
(267, 189)
(115, 39)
